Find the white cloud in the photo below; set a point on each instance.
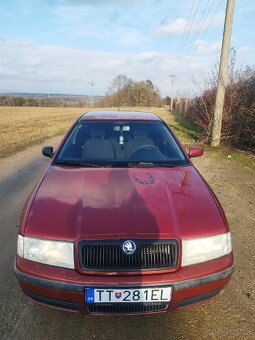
(218, 19)
(203, 46)
(177, 26)
(181, 25)
(27, 67)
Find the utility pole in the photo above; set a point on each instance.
(186, 106)
(91, 98)
(223, 73)
(178, 101)
(172, 76)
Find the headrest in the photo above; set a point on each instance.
(97, 133)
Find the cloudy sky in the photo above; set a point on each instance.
(59, 46)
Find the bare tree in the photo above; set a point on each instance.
(124, 91)
(117, 86)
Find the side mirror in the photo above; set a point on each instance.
(47, 151)
(195, 152)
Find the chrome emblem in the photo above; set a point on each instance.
(129, 247)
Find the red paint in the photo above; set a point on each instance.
(76, 203)
(123, 203)
(195, 151)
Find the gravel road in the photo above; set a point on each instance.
(230, 316)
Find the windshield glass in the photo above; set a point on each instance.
(120, 143)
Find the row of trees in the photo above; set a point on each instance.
(126, 92)
(123, 91)
(44, 101)
(18, 101)
(238, 124)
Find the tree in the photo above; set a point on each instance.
(127, 92)
(167, 100)
(117, 86)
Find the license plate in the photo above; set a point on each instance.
(126, 295)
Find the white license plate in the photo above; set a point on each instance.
(126, 295)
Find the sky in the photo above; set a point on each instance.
(60, 46)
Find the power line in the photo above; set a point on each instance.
(202, 22)
(186, 27)
(192, 16)
(190, 28)
(194, 29)
(213, 18)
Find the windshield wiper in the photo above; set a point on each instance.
(116, 164)
(131, 164)
(81, 164)
(164, 165)
(150, 165)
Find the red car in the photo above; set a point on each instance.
(122, 223)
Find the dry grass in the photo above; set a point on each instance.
(21, 127)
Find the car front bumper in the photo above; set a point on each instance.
(65, 293)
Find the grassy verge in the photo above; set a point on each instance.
(244, 158)
(190, 134)
(186, 130)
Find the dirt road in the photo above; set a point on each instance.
(231, 316)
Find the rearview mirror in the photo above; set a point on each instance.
(195, 151)
(47, 151)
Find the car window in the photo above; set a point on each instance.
(121, 142)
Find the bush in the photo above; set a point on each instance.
(238, 120)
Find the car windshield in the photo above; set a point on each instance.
(120, 143)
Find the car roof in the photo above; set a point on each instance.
(119, 115)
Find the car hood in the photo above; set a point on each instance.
(99, 203)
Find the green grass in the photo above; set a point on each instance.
(244, 158)
(186, 130)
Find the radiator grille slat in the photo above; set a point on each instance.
(127, 308)
(108, 255)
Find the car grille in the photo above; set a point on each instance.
(68, 305)
(127, 308)
(109, 256)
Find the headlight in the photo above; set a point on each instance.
(203, 249)
(55, 253)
